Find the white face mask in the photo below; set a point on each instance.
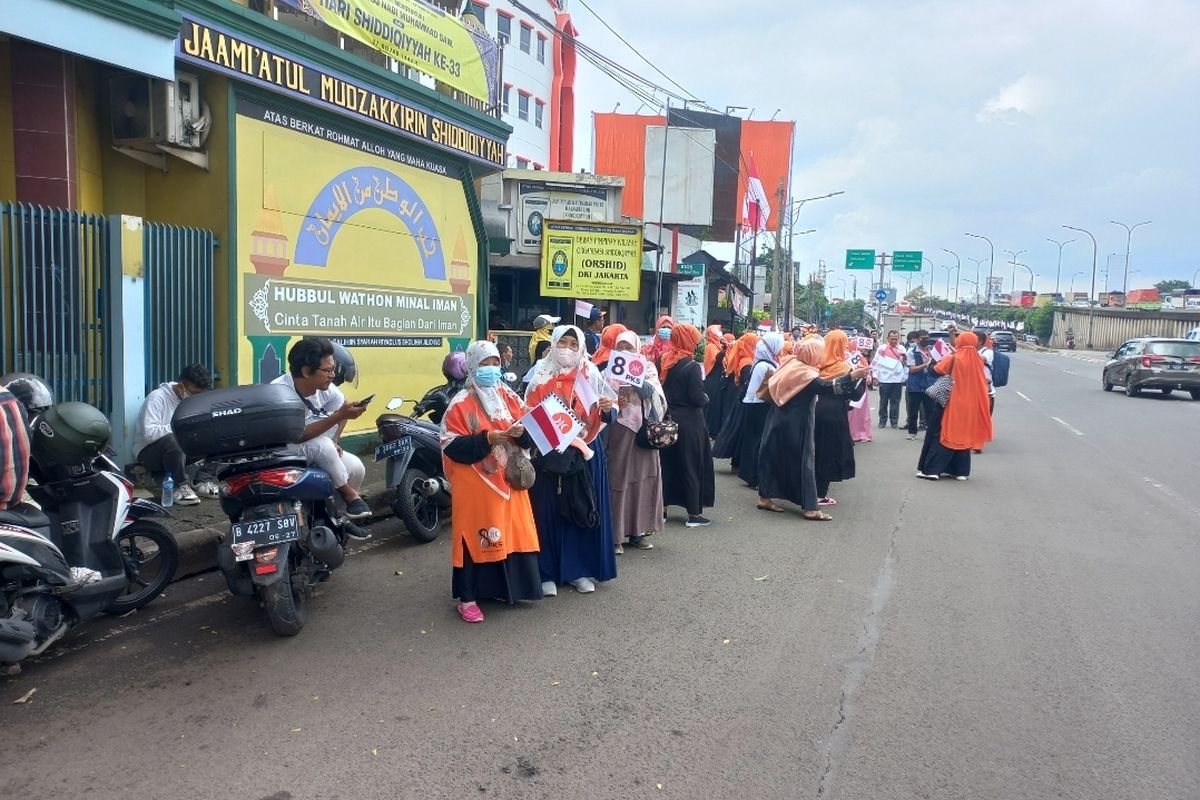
(566, 357)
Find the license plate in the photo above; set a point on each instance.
(394, 448)
(265, 532)
(1177, 367)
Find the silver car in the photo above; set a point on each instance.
(1162, 364)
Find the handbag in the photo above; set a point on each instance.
(518, 469)
(655, 435)
(939, 392)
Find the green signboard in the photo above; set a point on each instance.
(691, 270)
(906, 261)
(860, 259)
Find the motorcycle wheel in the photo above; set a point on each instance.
(420, 514)
(151, 558)
(286, 602)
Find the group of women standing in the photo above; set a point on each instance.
(524, 526)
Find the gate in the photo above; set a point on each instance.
(53, 265)
(179, 300)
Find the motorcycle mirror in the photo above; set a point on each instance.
(395, 403)
(509, 377)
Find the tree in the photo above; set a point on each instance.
(917, 295)
(848, 313)
(1166, 287)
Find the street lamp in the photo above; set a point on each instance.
(1092, 294)
(991, 264)
(792, 212)
(1128, 238)
(1195, 276)
(1073, 277)
(1014, 263)
(975, 285)
(931, 268)
(1108, 270)
(1058, 273)
(958, 275)
(948, 271)
(1027, 268)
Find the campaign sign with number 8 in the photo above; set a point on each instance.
(627, 369)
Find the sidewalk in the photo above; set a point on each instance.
(196, 528)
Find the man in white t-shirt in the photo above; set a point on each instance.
(889, 371)
(311, 368)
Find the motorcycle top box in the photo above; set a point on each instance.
(240, 418)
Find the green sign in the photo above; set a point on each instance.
(860, 259)
(906, 261)
(691, 270)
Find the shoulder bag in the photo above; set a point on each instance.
(939, 392)
(655, 435)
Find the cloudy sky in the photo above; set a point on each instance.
(1008, 119)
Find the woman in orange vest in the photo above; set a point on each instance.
(495, 546)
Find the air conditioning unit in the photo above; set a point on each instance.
(157, 117)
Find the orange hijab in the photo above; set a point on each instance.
(833, 362)
(742, 355)
(684, 340)
(796, 372)
(966, 422)
(608, 340)
(712, 347)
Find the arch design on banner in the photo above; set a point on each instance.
(363, 188)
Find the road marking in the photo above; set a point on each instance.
(1023, 397)
(1068, 426)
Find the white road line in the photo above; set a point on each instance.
(1023, 397)
(1068, 426)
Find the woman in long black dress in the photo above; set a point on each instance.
(714, 379)
(687, 466)
(831, 431)
(738, 366)
(766, 361)
(787, 459)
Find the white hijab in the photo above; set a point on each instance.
(491, 398)
(548, 367)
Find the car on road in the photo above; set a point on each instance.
(1004, 340)
(1154, 363)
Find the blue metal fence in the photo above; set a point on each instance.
(179, 300)
(53, 265)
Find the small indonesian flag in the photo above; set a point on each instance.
(585, 391)
(551, 425)
(940, 350)
(583, 309)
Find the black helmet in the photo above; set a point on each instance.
(69, 433)
(345, 370)
(33, 392)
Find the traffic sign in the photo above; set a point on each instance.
(691, 270)
(906, 261)
(860, 259)
(881, 295)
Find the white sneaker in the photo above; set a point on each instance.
(960, 477)
(584, 585)
(549, 589)
(184, 496)
(208, 489)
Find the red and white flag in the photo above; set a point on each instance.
(756, 209)
(585, 391)
(551, 425)
(940, 350)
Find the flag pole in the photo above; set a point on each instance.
(662, 197)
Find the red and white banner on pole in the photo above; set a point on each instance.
(551, 425)
(756, 208)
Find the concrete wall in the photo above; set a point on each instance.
(1111, 327)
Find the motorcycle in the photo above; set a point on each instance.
(285, 535)
(412, 448)
(92, 547)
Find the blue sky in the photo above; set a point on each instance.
(937, 118)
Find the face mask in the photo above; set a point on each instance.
(487, 377)
(566, 357)
(664, 333)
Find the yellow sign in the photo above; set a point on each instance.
(338, 236)
(420, 36)
(582, 259)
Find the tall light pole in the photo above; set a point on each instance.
(1073, 277)
(1108, 270)
(978, 265)
(931, 269)
(975, 287)
(948, 269)
(958, 276)
(1195, 277)
(1058, 273)
(1027, 267)
(991, 264)
(793, 211)
(1014, 263)
(1128, 238)
(1092, 295)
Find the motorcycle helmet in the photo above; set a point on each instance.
(69, 433)
(346, 370)
(33, 392)
(454, 366)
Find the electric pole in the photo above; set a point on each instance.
(777, 289)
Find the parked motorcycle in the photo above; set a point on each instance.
(412, 449)
(285, 535)
(91, 547)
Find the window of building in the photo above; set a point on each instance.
(504, 95)
(538, 109)
(523, 106)
(503, 27)
(541, 51)
(526, 37)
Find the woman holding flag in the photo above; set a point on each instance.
(495, 548)
(571, 496)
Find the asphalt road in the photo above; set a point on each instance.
(1030, 633)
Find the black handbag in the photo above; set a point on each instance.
(655, 435)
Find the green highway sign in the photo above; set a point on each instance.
(691, 270)
(862, 259)
(906, 261)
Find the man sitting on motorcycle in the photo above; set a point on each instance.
(313, 373)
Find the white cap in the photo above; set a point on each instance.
(542, 320)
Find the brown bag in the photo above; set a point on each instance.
(518, 469)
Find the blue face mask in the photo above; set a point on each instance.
(487, 377)
(664, 333)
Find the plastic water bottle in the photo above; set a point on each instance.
(168, 491)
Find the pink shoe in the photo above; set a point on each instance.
(827, 501)
(470, 613)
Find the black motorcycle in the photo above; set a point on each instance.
(412, 448)
(92, 547)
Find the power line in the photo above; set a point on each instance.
(635, 50)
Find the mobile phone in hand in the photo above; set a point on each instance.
(366, 401)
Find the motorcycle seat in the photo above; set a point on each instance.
(24, 516)
(384, 419)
